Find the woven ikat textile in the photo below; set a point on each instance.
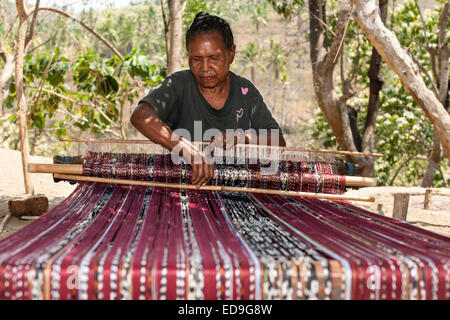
(120, 242)
(108, 241)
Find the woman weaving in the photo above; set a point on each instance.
(205, 102)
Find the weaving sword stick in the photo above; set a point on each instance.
(212, 188)
(249, 146)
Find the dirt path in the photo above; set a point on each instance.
(437, 219)
(11, 187)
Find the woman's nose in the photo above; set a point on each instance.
(205, 64)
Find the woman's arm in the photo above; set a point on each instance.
(146, 120)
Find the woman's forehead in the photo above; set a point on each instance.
(211, 40)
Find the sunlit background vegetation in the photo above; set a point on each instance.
(76, 87)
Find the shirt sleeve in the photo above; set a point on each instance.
(165, 97)
(261, 117)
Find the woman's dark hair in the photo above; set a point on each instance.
(207, 23)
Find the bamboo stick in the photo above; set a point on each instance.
(77, 169)
(360, 154)
(212, 188)
(5, 222)
(29, 217)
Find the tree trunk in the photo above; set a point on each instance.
(433, 163)
(376, 83)
(436, 153)
(20, 97)
(166, 29)
(252, 73)
(175, 36)
(397, 58)
(323, 63)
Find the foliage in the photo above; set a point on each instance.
(85, 89)
(403, 133)
(93, 101)
(250, 57)
(286, 7)
(277, 60)
(220, 8)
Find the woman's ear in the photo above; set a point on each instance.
(231, 54)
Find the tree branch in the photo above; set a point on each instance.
(344, 15)
(11, 26)
(33, 25)
(166, 28)
(21, 10)
(41, 85)
(91, 105)
(431, 50)
(95, 33)
(425, 72)
(396, 57)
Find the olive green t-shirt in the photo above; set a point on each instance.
(179, 103)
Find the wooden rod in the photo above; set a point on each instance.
(353, 181)
(106, 141)
(77, 169)
(55, 168)
(359, 154)
(212, 188)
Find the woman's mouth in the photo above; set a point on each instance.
(207, 78)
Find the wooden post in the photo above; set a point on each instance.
(380, 209)
(401, 201)
(21, 107)
(427, 201)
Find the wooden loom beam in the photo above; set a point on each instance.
(77, 169)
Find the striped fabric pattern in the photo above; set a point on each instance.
(126, 242)
(301, 176)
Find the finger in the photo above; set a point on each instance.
(202, 175)
(206, 175)
(224, 142)
(195, 175)
(211, 172)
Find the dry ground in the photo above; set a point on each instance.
(11, 187)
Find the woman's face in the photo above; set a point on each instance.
(209, 59)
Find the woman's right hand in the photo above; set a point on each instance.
(202, 165)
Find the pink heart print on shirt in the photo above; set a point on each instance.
(244, 90)
(239, 113)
